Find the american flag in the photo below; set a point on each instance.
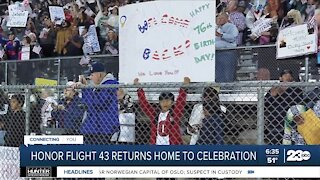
(312, 22)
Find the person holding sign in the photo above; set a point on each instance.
(12, 47)
(47, 38)
(293, 18)
(165, 124)
(265, 29)
(227, 33)
(112, 44)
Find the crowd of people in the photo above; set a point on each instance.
(236, 19)
(234, 24)
(61, 39)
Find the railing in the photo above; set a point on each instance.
(249, 60)
(58, 68)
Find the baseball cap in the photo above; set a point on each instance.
(97, 67)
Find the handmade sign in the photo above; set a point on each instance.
(56, 14)
(261, 25)
(296, 41)
(310, 129)
(91, 42)
(25, 53)
(17, 16)
(45, 82)
(164, 41)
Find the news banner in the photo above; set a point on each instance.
(68, 157)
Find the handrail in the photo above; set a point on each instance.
(177, 85)
(57, 58)
(108, 55)
(247, 47)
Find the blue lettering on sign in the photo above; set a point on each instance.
(146, 53)
(143, 28)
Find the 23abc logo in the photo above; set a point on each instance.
(298, 155)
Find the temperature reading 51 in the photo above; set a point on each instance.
(272, 160)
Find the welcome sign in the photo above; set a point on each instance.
(57, 14)
(17, 16)
(164, 41)
(296, 41)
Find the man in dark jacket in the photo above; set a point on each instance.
(69, 113)
(277, 102)
(102, 103)
(14, 122)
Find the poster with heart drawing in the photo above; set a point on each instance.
(296, 41)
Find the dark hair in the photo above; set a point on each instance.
(286, 71)
(28, 39)
(19, 98)
(211, 102)
(68, 24)
(166, 95)
(209, 92)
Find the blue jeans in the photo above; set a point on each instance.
(226, 65)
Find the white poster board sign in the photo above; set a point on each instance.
(164, 41)
(17, 16)
(296, 41)
(56, 14)
(261, 25)
(25, 53)
(10, 163)
(91, 42)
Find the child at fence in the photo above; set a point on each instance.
(165, 124)
(206, 120)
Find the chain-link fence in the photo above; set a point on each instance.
(241, 113)
(164, 114)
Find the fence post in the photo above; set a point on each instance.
(307, 69)
(59, 74)
(28, 109)
(260, 116)
(6, 73)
